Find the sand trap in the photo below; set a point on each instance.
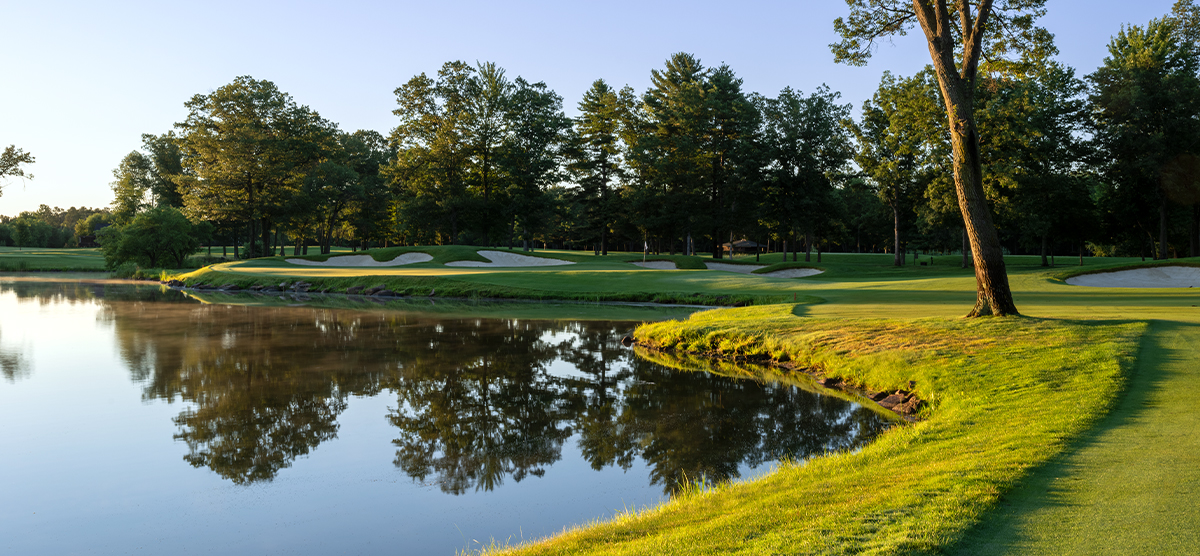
(1157, 277)
(504, 258)
(657, 265)
(365, 260)
(793, 273)
(742, 268)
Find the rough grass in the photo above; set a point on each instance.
(1005, 395)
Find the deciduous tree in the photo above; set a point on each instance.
(960, 34)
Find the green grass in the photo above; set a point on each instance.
(38, 259)
(1003, 396)
(1068, 430)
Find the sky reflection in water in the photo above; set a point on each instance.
(317, 429)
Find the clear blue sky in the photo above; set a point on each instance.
(84, 80)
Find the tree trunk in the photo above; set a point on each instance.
(1194, 236)
(604, 239)
(807, 247)
(266, 236)
(1162, 229)
(898, 258)
(1044, 249)
(993, 295)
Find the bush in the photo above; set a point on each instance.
(159, 237)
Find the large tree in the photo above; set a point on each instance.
(958, 34)
(430, 172)
(530, 156)
(595, 157)
(246, 148)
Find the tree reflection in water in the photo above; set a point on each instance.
(505, 412)
(479, 401)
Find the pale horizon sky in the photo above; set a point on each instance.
(85, 80)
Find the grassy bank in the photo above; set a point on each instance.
(1004, 396)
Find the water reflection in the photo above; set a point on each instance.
(12, 365)
(478, 401)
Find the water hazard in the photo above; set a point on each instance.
(133, 418)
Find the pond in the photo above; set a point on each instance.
(134, 418)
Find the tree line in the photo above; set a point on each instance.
(1105, 164)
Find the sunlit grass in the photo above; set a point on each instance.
(1004, 395)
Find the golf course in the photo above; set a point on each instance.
(1066, 430)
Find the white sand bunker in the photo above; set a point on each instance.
(365, 260)
(657, 265)
(1157, 277)
(742, 268)
(504, 258)
(794, 273)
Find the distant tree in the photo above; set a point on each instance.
(670, 151)
(21, 233)
(805, 145)
(1145, 99)
(594, 158)
(487, 98)
(429, 175)
(367, 152)
(166, 166)
(10, 164)
(894, 150)
(91, 224)
(245, 150)
(1034, 123)
(158, 237)
(986, 33)
(734, 157)
(333, 187)
(531, 155)
(131, 188)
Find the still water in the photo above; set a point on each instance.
(134, 419)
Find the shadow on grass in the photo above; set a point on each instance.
(1006, 528)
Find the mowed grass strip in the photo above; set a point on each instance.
(1005, 396)
(33, 258)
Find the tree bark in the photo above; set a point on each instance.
(966, 249)
(993, 295)
(898, 258)
(1044, 249)
(1162, 229)
(1194, 236)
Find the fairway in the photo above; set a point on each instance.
(33, 258)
